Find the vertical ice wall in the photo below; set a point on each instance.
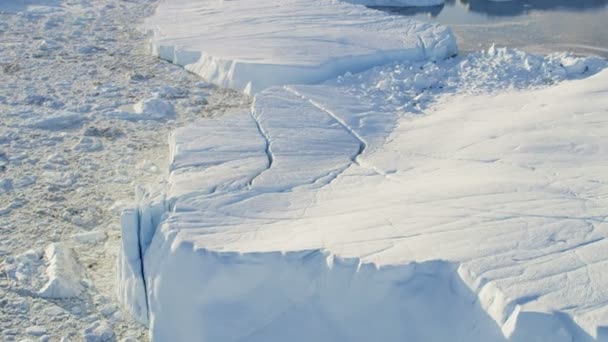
(138, 226)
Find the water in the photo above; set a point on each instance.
(538, 26)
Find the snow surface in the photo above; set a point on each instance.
(334, 212)
(249, 45)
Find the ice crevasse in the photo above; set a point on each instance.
(319, 215)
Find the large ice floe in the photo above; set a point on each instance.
(336, 212)
(250, 45)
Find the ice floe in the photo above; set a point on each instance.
(274, 219)
(279, 216)
(488, 186)
(251, 45)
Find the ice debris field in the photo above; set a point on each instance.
(84, 115)
(377, 187)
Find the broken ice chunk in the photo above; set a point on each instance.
(155, 108)
(169, 92)
(64, 273)
(57, 122)
(88, 144)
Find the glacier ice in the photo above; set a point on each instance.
(64, 273)
(331, 211)
(485, 192)
(250, 45)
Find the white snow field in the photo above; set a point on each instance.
(249, 45)
(338, 212)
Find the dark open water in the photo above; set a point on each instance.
(538, 26)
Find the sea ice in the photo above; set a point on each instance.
(153, 108)
(64, 273)
(98, 331)
(483, 193)
(57, 122)
(90, 237)
(250, 45)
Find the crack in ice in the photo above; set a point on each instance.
(267, 148)
(363, 145)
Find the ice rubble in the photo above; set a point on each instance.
(64, 273)
(63, 164)
(250, 45)
(55, 274)
(29, 5)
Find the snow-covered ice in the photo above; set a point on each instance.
(98, 332)
(154, 108)
(427, 199)
(495, 204)
(335, 212)
(63, 273)
(249, 45)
